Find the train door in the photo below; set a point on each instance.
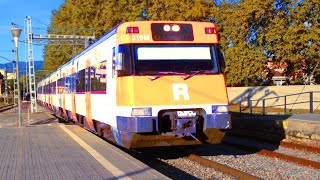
(88, 77)
(59, 90)
(64, 86)
(111, 86)
(73, 82)
(110, 104)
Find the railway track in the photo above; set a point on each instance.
(6, 107)
(300, 147)
(264, 152)
(233, 161)
(242, 175)
(279, 143)
(204, 162)
(223, 168)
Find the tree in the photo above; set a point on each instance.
(250, 30)
(292, 34)
(240, 26)
(102, 15)
(284, 29)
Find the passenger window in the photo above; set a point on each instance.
(98, 76)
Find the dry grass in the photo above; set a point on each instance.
(2, 102)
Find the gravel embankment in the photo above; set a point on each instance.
(256, 165)
(267, 168)
(195, 169)
(298, 153)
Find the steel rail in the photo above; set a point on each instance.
(6, 107)
(300, 147)
(284, 157)
(220, 167)
(300, 161)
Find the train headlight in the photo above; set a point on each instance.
(220, 109)
(175, 28)
(147, 111)
(166, 28)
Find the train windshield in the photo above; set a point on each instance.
(151, 59)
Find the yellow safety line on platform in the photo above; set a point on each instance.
(105, 163)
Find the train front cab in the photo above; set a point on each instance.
(152, 114)
(170, 92)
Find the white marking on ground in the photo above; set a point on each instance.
(104, 162)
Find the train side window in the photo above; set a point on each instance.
(215, 59)
(99, 76)
(54, 87)
(66, 84)
(88, 73)
(113, 61)
(73, 82)
(221, 59)
(60, 86)
(80, 81)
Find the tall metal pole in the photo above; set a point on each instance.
(32, 80)
(16, 34)
(23, 84)
(15, 84)
(19, 93)
(27, 82)
(6, 87)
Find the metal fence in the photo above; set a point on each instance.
(263, 103)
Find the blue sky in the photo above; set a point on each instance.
(16, 11)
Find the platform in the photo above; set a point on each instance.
(306, 126)
(46, 149)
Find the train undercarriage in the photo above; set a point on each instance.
(170, 128)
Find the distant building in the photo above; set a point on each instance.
(2, 81)
(279, 80)
(9, 74)
(276, 71)
(2, 78)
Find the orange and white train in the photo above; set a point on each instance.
(144, 84)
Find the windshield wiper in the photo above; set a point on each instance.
(197, 72)
(166, 73)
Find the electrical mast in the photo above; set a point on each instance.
(32, 79)
(47, 39)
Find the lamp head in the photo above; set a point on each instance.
(16, 32)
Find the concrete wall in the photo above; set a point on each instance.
(257, 93)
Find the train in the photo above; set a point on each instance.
(145, 84)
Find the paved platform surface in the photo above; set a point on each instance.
(46, 149)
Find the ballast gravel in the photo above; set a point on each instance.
(254, 164)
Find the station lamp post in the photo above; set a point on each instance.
(16, 34)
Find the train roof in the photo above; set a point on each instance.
(121, 28)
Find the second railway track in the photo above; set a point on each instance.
(6, 107)
(226, 161)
